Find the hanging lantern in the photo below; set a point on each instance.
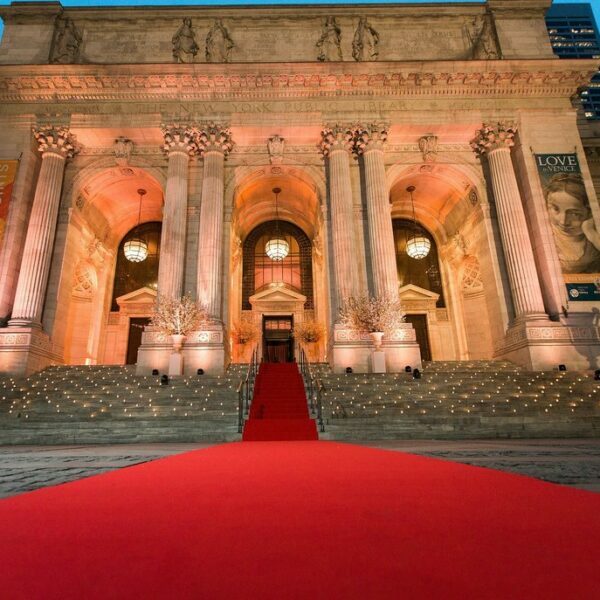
(418, 246)
(277, 248)
(136, 247)
(135, 250)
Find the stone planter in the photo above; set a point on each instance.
(377, 337)
(177, 340)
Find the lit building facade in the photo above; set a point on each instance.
(167, 132)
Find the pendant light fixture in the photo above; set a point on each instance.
(136, 247)
(418, 245)
(277, 247)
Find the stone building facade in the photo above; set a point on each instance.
(343, 109)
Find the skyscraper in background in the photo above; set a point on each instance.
(574, 34)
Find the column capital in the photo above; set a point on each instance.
(336, 137)
(214, 137)
(370, 136)
(494, 136)
(179, 138)
(55, 140)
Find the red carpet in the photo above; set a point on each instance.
(279, 410)
(301, 520)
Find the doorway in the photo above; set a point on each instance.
(136, 328)
(278, 343)
(419, 323)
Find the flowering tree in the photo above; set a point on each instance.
(177, 316)
(308, 331)
(372, 314)
(244, 332)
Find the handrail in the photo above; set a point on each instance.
(314, 388)
(320, 390)
(245, 389)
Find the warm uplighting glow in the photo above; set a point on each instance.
(418, 247)
(277, 249)
(135, 250)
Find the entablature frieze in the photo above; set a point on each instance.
(237, 82)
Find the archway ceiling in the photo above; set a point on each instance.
(113, 194)
(436, 201)
(297, 203)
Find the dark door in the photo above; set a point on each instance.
(136, 327)
(419, 322)
(278, 344)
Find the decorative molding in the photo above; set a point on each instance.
(494, 137)
(276, 147)
(428, 145)
(101, 82)
(336, 137)
(55, 140)
(214, 137)
(179, 138)
(122, 148)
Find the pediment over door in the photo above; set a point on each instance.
(279, 298)
(415, 298)
(139, 301)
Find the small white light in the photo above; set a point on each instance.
(277, 249)
(135, 250)
(418, 247)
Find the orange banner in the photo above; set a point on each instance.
(8, 171)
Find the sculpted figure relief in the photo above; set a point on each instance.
(184, 43)
(481, 39)
(65, 43)
(218, 43)
(329, 42)
(365, 45)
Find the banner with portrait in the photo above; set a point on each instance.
(577, 239)
(8, 172)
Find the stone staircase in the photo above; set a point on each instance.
(94, 405)
(461, 400)
(452, 400)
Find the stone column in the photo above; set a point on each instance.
(179, 146)
(57, 146)
(495, 142)
(336, 144)
(214, 143)
(369, 142)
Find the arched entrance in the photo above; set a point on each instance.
(276, 295)
(95, 279)
(447, 212)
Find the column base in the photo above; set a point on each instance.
(355, 349)
(202, 350)
(543, 345)
(25, 350)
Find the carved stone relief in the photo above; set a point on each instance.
(329, 44)
(184, 43)
(66, 42)
(428, 145)
(123, 148)
(218, 43)
(276, 146)
(365, 45)
(481, 39)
